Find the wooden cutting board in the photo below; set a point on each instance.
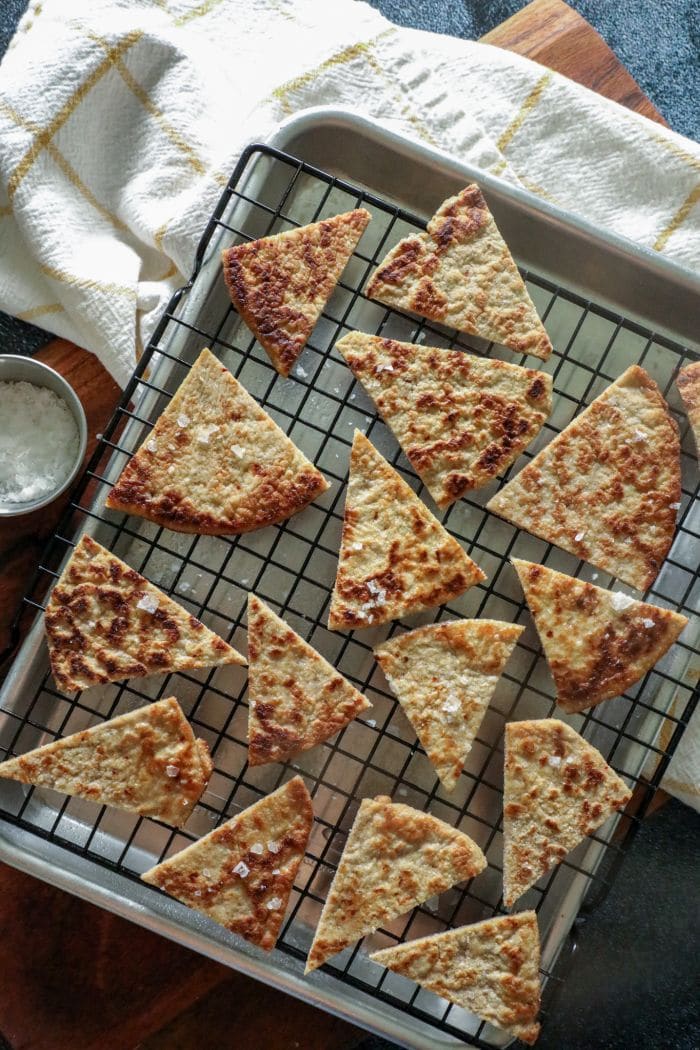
(73, 975)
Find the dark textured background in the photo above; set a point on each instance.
(636, 977)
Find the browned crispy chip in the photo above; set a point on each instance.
(280, 284)
(395, 858)
(147, 761)
(607, 488)
(598, 643)
(557, 790)
(461, 274)
(215, 462)
(444, 676)
(242, 873)
(460, 419)
(688, 383)
(395, 556)
(105, 622)
(490, 969)
(296, 699)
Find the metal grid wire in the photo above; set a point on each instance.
(292, 566)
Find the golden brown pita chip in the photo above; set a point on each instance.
(461, 274)
(557, 790)
(688, 383)
(296, 699)
(597, 643)
(460, 419)
(395, 858)
(280, 284)
(395, 557)
(490, 969)
(607, 488)
(105, 622)
(147, 761)
(241, 874)
(444, 676)
(215, 462)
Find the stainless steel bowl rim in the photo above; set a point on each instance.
(16, 368)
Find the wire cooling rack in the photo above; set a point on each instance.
(292, 566)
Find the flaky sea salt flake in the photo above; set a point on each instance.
(172, 771)
(257, 848)
(274, 904)
(620, 601)
(148, 602)
(242, 869)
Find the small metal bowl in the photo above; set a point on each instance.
(14, 369)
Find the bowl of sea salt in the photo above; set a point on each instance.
(43, 435)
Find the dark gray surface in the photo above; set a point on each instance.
(634, 986)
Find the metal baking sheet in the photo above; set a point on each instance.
(592, 291)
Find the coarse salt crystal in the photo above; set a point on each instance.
(205, 432)
(648, 623)
(372, 722)
(183, 585)
(183, 421)
(302, 372)
(579, 536)
(273, 847)
(152, 445)
(274, 904)
(620, 601)
(674, 506)
(373, 587)
(238, 450)
(149, 602)
(242, 869)
(639, 435)
(356, 546)
(594, 576)
(554, 761)
(451, 705)
(257, 847)
(197, 893)
(172, 771)
(275, 871)
(383, 368)
(38, 442)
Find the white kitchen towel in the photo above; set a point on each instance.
(121, 120)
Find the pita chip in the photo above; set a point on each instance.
(395, 858)
(688, 383)
(242, 873)
(215, 462)
(105, 622)
(461, 274)
(598, 643)
(395, 556)
(607, 488)
(557, 789)
(490, 969)
(444, 676)
(280, 284)
(460, 419)
(296, 699)
(147, 761)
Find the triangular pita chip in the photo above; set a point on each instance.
(395, 557)
(688, 383)
(242, 873)
(105, 622)
(296, 699)
(460, 273)
(490, 969)
(280, 284)
(598, 643)
(444, 676)
(607, 488)
(460, 419)
(147, 761)
(215, 462)
(394, 859)
(557, 790)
